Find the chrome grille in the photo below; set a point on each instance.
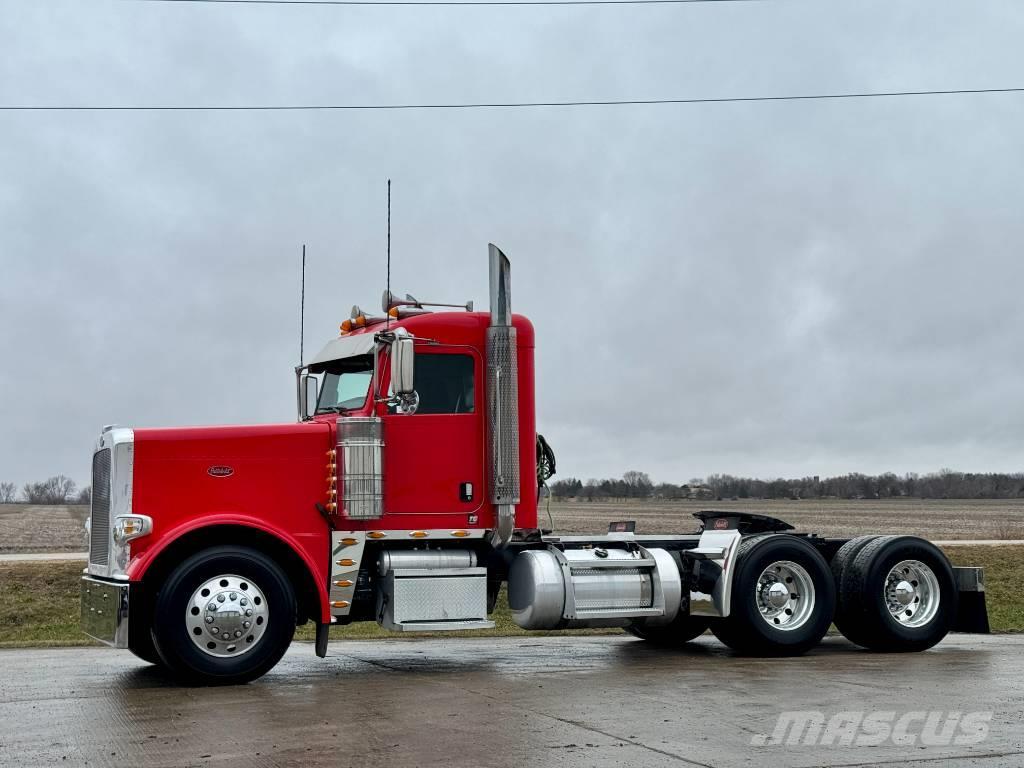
(99, 539)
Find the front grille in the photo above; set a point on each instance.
(99, 540)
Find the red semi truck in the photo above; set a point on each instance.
(407, 494)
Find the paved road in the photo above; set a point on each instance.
(546, 701)
(44, 556)
(32, 557)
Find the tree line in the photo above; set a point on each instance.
(944, 484)
(58, 489)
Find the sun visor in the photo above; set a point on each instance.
(342, 347)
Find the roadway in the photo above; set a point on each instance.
(504, 702)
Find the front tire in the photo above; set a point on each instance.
(226, 615)
(783, 598)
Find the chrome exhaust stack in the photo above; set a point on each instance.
(502, 400)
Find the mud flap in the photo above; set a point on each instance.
(322, 633)
(972, 613)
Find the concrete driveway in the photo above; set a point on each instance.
(558, 701)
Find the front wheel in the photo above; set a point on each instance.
(225, 615)
(783, 598)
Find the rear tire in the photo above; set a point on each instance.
(681, 630)
(900, 593)
(783, 598)
(844, 621)
(226, 615)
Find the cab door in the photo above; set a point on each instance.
(434, 458)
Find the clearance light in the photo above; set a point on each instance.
(419, 534)
(346, 326)
(331, 506)
(460, 534)
(349, 542)
(376, 534)
(128, 527)
(360, 321)
(340, 604)
(346, 562)
(393, 312)
(343, 583)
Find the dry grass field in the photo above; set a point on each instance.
(939, 519)
(31, 528)
(27, 528)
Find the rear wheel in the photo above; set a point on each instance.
(225, 615)
(900, 594)
(783, 598)
(682, 629)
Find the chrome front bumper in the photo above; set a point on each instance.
(105, 611)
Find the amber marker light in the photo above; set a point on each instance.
(343, 583)
(376, 534)
(460, 534)
(340, 604)
(346, 562)
(419, 534)
(349, 542)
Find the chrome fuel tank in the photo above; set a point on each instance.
(595, 587)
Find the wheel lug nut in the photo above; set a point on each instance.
(214, 631)
(209, 619)
(220, 598)
(238, 633)
(211, 607)
(248, 611)
(243, 601)
(233, 595)
(246, 624)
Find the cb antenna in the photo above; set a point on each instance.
(302, 307)
(387, 316)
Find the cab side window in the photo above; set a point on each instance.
(444, 383)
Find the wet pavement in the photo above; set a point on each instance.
(496, 702)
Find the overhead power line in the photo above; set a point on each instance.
(441, 2)
(481, 104)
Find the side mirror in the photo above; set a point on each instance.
(402, 363)
(308, 391)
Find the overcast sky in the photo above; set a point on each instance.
(760, 288)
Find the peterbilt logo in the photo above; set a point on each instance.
(220, 470)
(721, 524)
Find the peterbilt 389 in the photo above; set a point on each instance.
(407, 494)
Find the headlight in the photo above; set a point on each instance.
(128, 527)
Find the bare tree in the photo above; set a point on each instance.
(85, 495)
(54, 490)
(8, 493)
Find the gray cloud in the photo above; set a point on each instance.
(778, 288)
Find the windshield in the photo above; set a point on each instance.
(345, 384)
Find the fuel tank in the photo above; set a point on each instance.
(593, 587)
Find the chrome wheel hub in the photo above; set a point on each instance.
(912, 593)
(227, 616)
(785, 595)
